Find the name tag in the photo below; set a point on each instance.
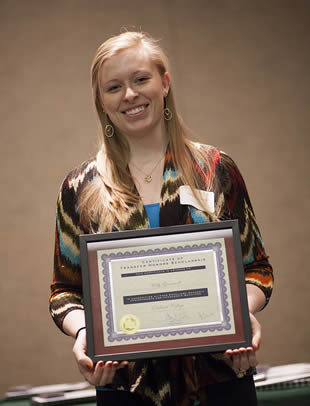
(187, 197)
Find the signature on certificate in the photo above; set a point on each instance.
(167, 306)
(205, 316)
(175, 317)
(165, 284)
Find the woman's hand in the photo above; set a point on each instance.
(245, 358)
(100, 374)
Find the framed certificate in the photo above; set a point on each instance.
(164, 291)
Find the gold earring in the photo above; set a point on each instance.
(167, 114)
(109, 130)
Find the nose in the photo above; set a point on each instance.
(130, 94)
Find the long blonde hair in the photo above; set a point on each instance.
(105, 201)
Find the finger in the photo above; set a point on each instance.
(123, 364)
(244, 361)
(256, 332)
(87, 371)
(248, 358)
(120, 365)
(238, 351)
(256, 340)
(98, 373)
(252, 358)
(236, 361)
(85, 364)
(108, 373)
(228, 354)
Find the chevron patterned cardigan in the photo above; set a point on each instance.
(166, 381)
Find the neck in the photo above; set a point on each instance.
(144, 150)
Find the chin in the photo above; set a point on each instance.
(139, 130)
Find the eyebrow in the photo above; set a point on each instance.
(133, 74)
(140, 71)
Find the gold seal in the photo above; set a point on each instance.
(129, 324)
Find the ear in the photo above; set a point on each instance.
(166, 83)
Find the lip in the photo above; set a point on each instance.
(135, 110)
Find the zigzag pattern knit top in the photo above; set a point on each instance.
(168, 380)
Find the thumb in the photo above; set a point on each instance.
(86, 362)
(81, 357)
(256, 332)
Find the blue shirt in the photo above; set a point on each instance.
(152, 211)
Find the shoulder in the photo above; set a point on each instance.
(81, 174)
(203, 148)
(78, 178)
(218, 159)
(230, 182)
(205, 155)
(227, 169)
(226, 161)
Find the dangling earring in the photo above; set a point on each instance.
(109, 130)
(167, 112)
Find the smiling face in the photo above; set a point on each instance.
(133, 91)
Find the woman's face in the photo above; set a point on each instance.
(133, 91)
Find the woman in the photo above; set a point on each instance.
(134, 183)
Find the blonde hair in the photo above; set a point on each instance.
(106, 200)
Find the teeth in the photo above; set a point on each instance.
(135, 110)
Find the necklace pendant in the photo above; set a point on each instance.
(148, 179)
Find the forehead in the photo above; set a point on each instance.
(127, 62)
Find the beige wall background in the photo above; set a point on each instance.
(241, 73)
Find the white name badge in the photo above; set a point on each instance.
(187, 197)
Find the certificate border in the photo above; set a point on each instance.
(96, 348)
(176, 331)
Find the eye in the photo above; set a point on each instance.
(142, 79)
(113, 89)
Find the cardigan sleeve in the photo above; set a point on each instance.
(66, 288)
(234, 203)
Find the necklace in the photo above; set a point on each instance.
(148, 176)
